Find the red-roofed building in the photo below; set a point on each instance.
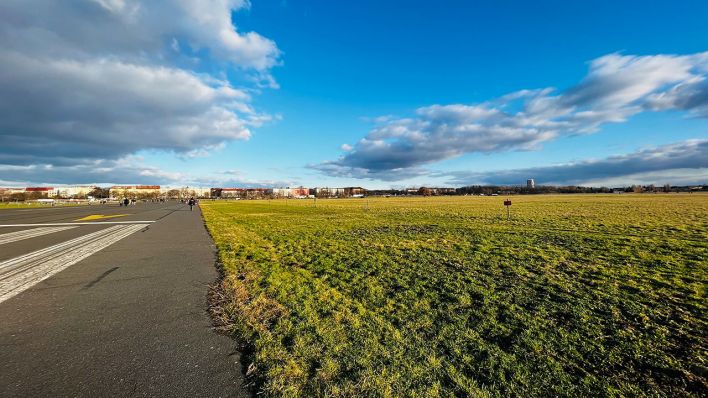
(43, 191)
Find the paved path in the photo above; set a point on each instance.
(110, 307)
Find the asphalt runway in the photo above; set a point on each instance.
(109, 301)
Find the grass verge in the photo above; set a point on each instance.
(577, 295)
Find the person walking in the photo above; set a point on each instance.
(126, 202)
(191, 203)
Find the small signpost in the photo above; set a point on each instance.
(507, 203)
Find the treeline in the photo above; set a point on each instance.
(22, 196)
(522, 190)
(8, 196)
(546, 189)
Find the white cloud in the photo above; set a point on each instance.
(133, 29)
(209, 24)
(615, 88)
(106, 108)
(99, 80)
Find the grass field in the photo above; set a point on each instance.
(577, 295)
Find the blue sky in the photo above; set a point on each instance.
(317, 74)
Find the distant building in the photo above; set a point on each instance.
(242, 193)
(44, 191)
(327, 192)
(530, 183)
(74, 191)
(229, 192)
(355, 192)
(188, 192)
(346, 192)
(134, 191)
(258, 193)
(281, 192)
(300, 192)
(202, 192)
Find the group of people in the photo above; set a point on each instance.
(127, 202)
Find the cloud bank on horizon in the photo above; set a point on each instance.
(682, 163)
(615, 88)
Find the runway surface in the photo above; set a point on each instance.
(104, 300)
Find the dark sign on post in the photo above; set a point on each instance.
(507, 203)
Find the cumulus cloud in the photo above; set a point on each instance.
(335, 170)
(96, 81)
(615, 88)
(134, 30)
(682, 163)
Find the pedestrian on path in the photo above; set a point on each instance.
(191, 203)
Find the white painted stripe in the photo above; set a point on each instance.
(78, 223)
(5, 266)
(30, 233)
(21, 273)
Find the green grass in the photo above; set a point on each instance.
(577, 295)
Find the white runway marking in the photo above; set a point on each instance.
(21, 273)
(30, 233)
(77, 223)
